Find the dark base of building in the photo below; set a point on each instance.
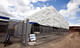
(46, 29)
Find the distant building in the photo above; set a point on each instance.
(74, 28)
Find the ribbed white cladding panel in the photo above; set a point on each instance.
(49, 17)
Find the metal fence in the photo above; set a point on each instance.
(45, 34)
(17, 29)
(20, 30)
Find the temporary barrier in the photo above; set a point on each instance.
(4, 22)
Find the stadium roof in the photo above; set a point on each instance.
(49, 17)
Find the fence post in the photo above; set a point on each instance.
(26, 32)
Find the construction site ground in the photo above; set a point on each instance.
(71, 40)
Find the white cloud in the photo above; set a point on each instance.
(79, 22)
(18, 8)
(72, 9)
(43, 0)
(74, 24)
(38, 0)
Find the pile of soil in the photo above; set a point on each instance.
(70, 41)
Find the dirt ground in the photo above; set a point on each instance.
(70, 41)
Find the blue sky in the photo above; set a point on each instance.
(58, 4)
